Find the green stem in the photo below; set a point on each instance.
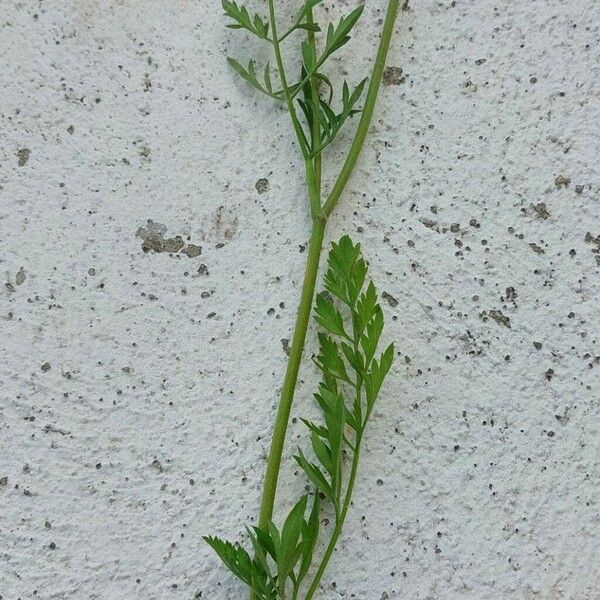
(320, 215)
(291, 373)
(313, 185)
(297, 87)
(339, 524)
(313, 181)
(367, 111)
(313, 165)
(314, 87)
(281, 70)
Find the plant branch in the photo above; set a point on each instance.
(281, 70)
(314, 254)
(367, 112)
(314, 86)
(234, 556)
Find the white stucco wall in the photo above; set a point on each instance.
(137, 389)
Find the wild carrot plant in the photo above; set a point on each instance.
(288, 561)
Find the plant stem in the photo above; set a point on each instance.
(291, 373)
(313, 186)
(313, 166)
(320, 216)
(339, 524)
(314, 87)
(367, 111)
(313, 181)
(281, 70)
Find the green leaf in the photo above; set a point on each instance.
(327, 82)
(327, 440)
(326, 398)
(345, 279)
(243, 20)
(252, 573)
(290, 536)
(331, 122)
(263, 538)
(260, 552)
(354, 418)
(338, 36)
(267, 78)
(308, 114)
(309, 27)
(309, 57)
(354, 358)
(275, 539)
(379, 369)
(356, 280)
(347, 270)
(329, 359)
(249, 75)
(310, 534)
(308, 5)
(335, 426)
(328, 317)
(299, 22)
(320, 431)
(317, 110)
(315, 475)
(329, 115)
(365, 309)
(370, 338)
(321, 450)
(235, 558)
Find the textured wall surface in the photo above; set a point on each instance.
(138, 387)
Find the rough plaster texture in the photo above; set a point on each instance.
(138, 388)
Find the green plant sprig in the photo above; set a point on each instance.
(347, 311)
(351, 319)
